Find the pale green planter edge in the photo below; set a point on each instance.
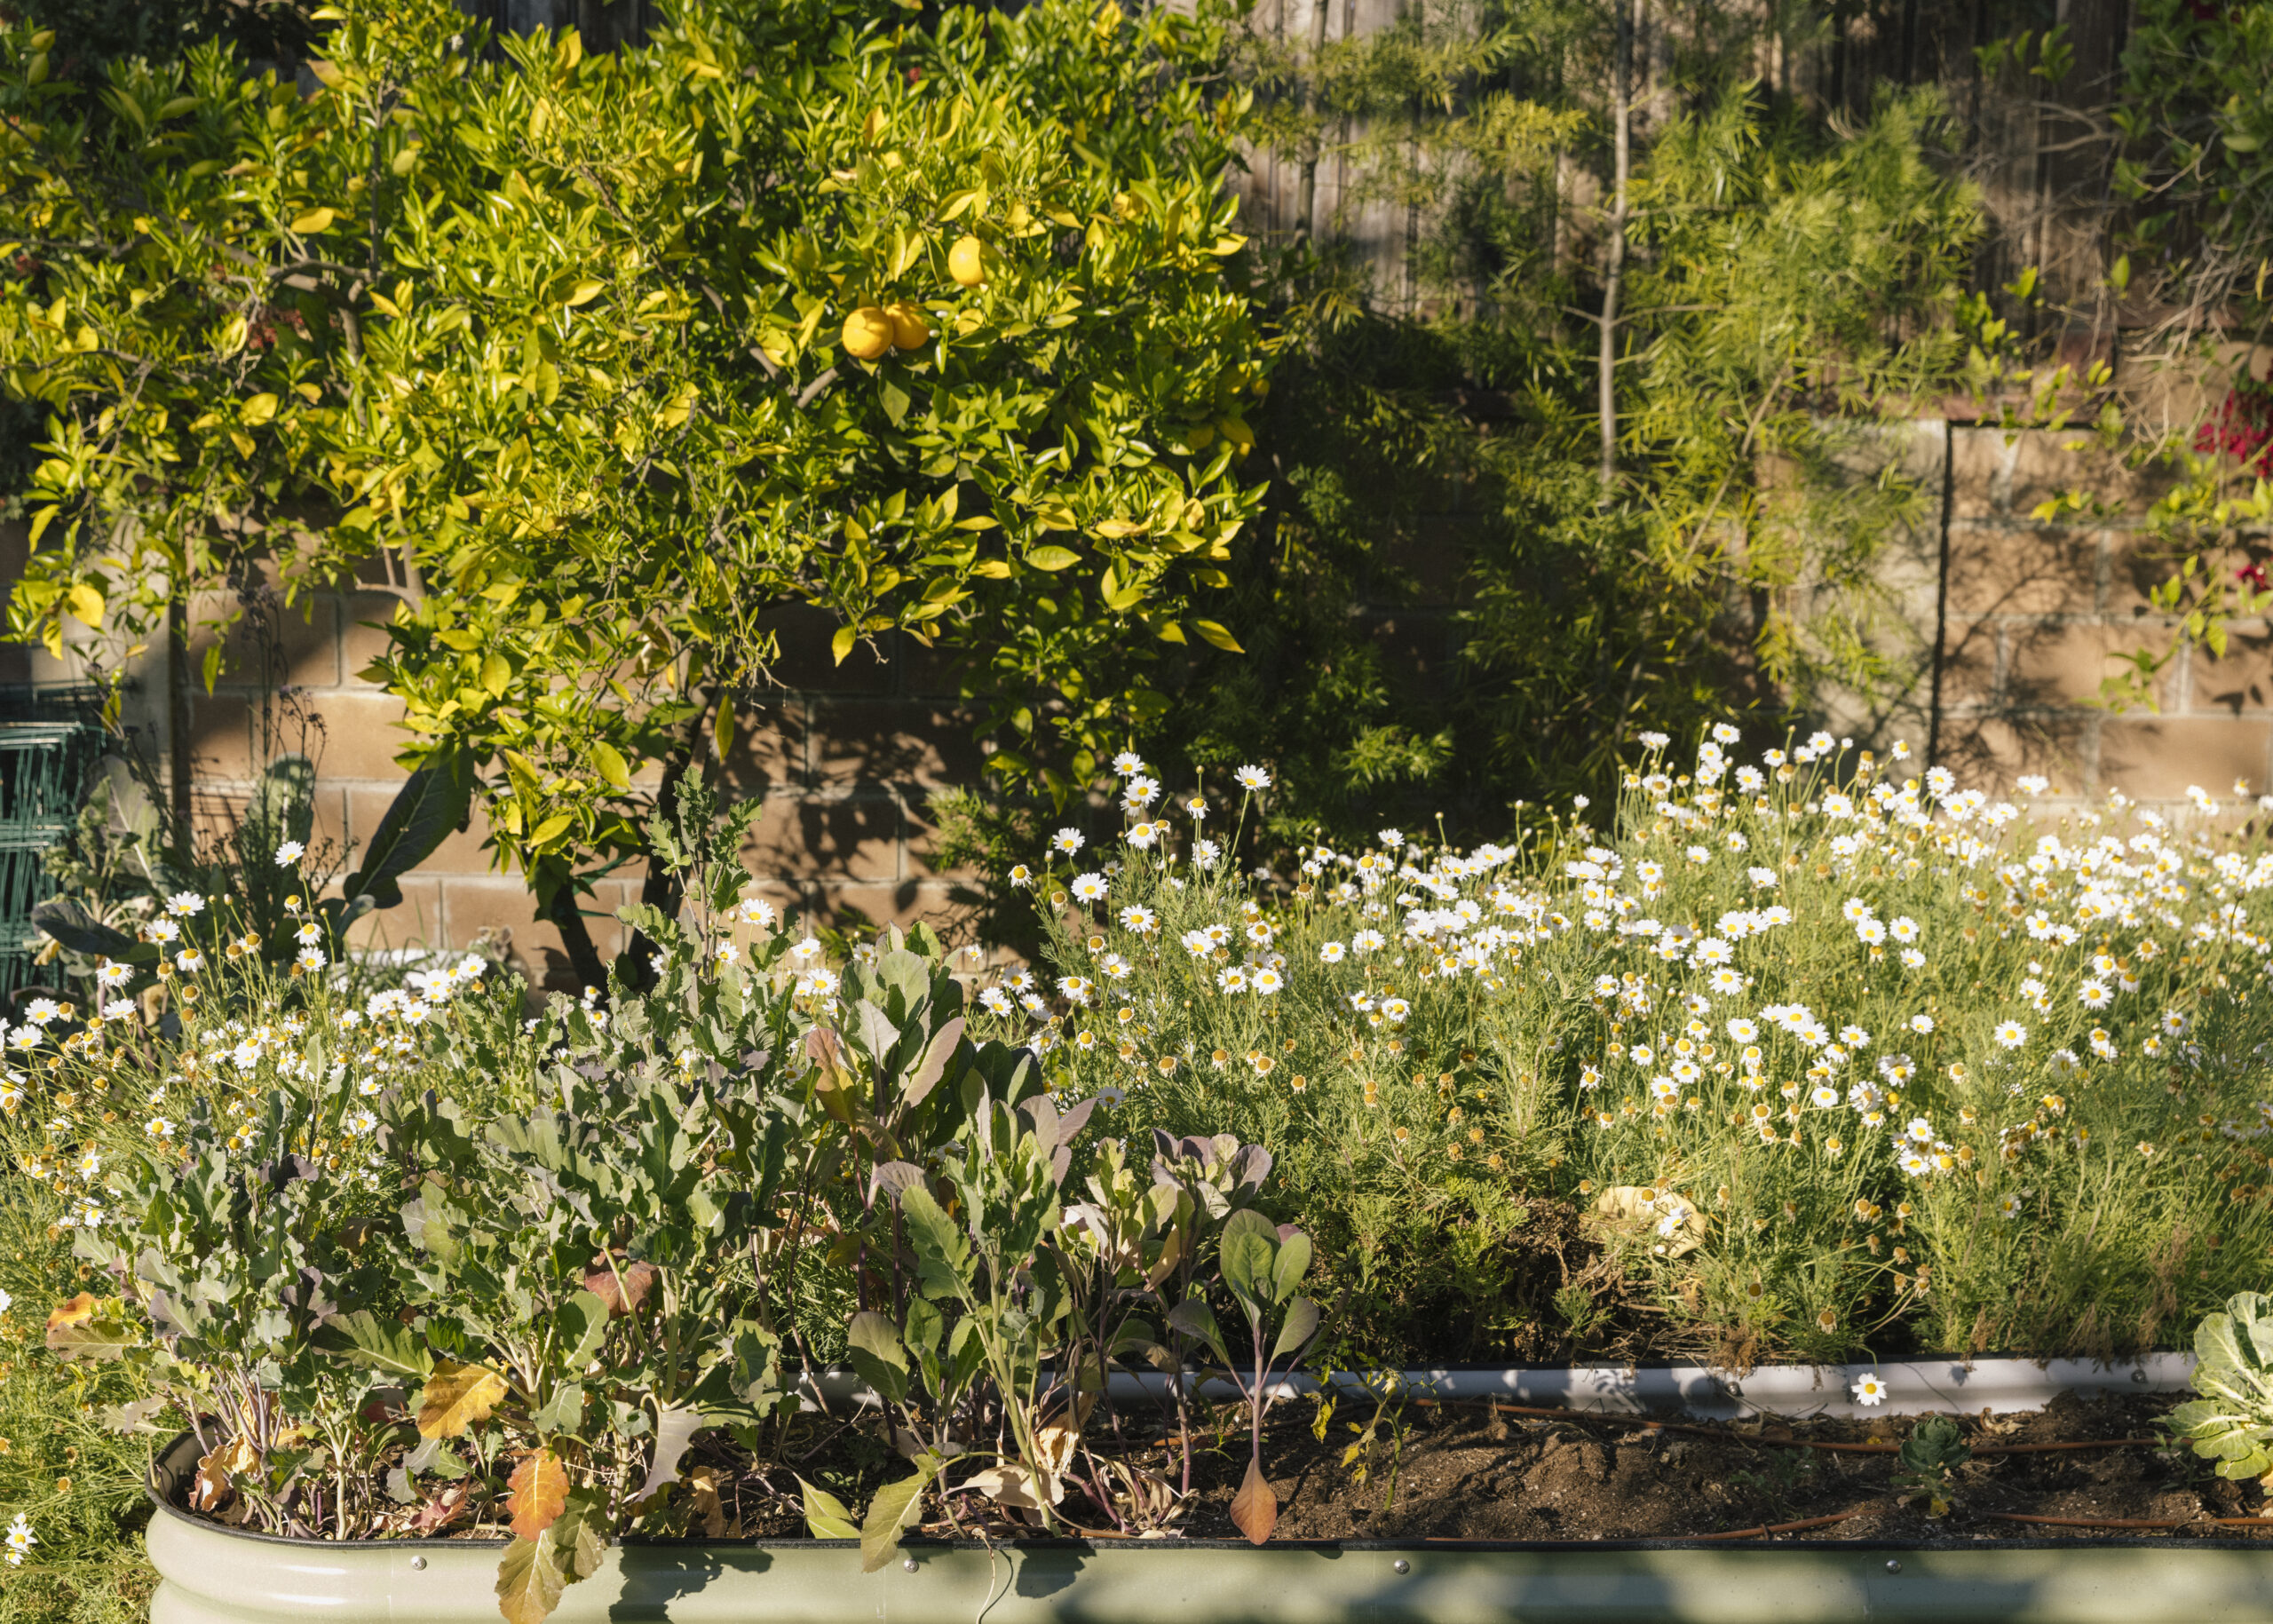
(213, 1576)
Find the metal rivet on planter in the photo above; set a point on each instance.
(1893, 1565)
(418, 1562)
(908, 1563)
(1402, 1565)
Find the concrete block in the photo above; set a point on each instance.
(2022, 569)
(2059, 664)
(2157, 757)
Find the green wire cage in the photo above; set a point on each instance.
(47, 748)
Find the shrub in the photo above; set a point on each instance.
(1818, 1055)
(419, 1266)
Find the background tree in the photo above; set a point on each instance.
(1790, 289)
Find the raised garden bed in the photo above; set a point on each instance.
(2075, 1511)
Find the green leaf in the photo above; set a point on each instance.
(826, 1517)
(430, 804)
(942, 1253)
(1247, 1254)
(68, 922)
(364, 1338)
(876, 1352)
(893, 1509)
(1302, 1325)
(1292, 1262)
(1196, 1320)
(102, 1338)
(582, 1321)
(1053, 557)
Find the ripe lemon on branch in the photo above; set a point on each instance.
(909, 330)
(965, 262)
(868, 334)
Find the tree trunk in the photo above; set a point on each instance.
(569, 919)
(1614, 270)
(1307, 206)
(663, 890)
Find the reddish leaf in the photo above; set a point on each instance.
(623, 1286)
(1256, 1510)
(444, 1509)
(539, 1489)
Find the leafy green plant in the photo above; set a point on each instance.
(1929, 1460)
(1264, 1264)
(2232, 1423)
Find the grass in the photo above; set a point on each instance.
(78, 1482)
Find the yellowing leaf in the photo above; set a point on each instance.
(496, 674)
(257, 410)
(313, 221)
(584, 293)
(551, 829)
(529, 1583)
(1214, 633)
(992, 569)
(73, 1311)
(841, 645)
(539, 1489)
(1115, 528)
(457, 1394)
(84, 603)
(826, 1516)
(1053, 559)
(611, 763)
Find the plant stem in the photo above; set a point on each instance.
(1614, 267)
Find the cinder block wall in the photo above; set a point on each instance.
(2033, 613)
(2019, 621)
(842, 757)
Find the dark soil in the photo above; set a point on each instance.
(1462, 1472)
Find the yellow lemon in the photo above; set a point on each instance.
(963, 262)
(868, 334)
(909, 330)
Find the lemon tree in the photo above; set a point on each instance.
(599, 363)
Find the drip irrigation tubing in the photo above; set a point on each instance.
(2129, 1522)
(1765, 1529)
(1726, 1435)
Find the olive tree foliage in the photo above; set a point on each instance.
(560, 349)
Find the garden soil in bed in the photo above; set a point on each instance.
(1463, 1473)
